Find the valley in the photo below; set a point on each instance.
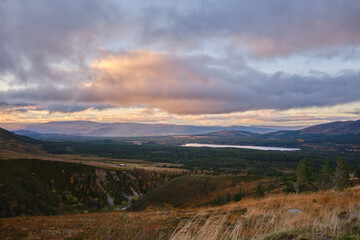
(152, 187)
(179, 120)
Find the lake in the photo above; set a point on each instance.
(240, 146)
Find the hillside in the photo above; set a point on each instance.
(197, 191)
(37, 187)
(50, 137)
(334, 128)
(316, 216)
(13, 142)
(117, 129)
(9, 136)
(230, 133)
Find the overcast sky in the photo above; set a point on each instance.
(225, 62)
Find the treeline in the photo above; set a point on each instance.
(307, 178)
(230, 160)
(37, 187)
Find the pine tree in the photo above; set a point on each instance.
(325, 177)
(357, 173)
(240, 195)
(227, 197)
(341, 177)
(259, 191)
(303, 176)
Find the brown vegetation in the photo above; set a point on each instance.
(110, 163)
(323, 215)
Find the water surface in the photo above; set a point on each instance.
(240, 146)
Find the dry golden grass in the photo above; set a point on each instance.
(331, 214)
(149, 225)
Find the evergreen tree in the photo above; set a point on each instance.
(325, 177)
(240, 195)
(357, 173)
(259, 191)
(303, 176)
(222, 200)
(341, 177)
(270, 187)
(227, 197)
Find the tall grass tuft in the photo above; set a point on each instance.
(332, 214)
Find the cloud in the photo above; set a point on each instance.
(182, 85)
(160, 80)
(61, 108)
(41, 39)
(265, 28)
(70, 56)
(4, 104)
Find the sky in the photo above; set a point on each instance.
(196, 62)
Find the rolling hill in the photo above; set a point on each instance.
(95, 129)
(327, 130)
(334, 128)
(81, 130)
(10, 136)
(13, 142)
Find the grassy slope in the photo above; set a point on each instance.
(194, 191)
(325, 215)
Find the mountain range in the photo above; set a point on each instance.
(71, 129)
(80, 129)
(117, 129)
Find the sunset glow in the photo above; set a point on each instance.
(287, 63)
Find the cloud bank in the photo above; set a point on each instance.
(265, 28)
(191, 57)
(181, 86)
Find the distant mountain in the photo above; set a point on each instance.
(49, 136)
(334, 128)
(230, 133)
(95, 129)
(81, 129)
(340, 130)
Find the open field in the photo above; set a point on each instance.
(324, 215)
(111, 163)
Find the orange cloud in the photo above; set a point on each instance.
(192, 85)
(151, 78)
